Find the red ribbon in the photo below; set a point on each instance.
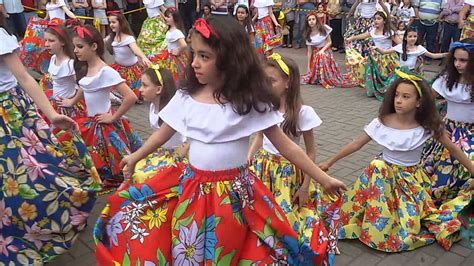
(204, 28)
(54, 25)
(82, 31)
(113, 12)
(172, 9)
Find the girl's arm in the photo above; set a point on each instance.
(463, 14)
(350, 148)
(68, 12)
(362, 36)
(75, 4)
(353, 8)
(94, 4)
(436, 55)
(456, 152)
(182, 46)
(308, 54)
(383, 51)
(272, 16)
(138, 52)
(34, 91)
(72, 101)
(256, 144)
(327, 45)
(129, 99)
(297, 156)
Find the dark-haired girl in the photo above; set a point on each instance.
(265, 32)
(297, 195)
(379, 67)
(128, 56)
(151, 39)
(456, 85)
(242, 14)
(391, 201)
(107, 134)
(58, 9)
(322, 68)
(48, 185)
(212, 210)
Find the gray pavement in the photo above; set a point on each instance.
(344, 113)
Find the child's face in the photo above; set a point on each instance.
(401, 26)
(320, 8)
(461, 59)
(149, 90)
(206, 10)
(83, 50)
(378, 21)
(204, 61)
(412, 37)
(406, 99)
(241, 14)
(114, 24)
(52, 43)
(169, 20)
(311, 21)
(279, 83)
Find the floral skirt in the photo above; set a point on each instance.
(148, 166)
(176, 64)
(33, 53)
(377, 71)
(108, 144)
(325, 71)
(132, 75)
(361, 25)
(468, 29)
(200, 217)
(447, 175)
(466, 216)
(152, 36)
(49, 184)
(266, 38)
(389, 208)
(283, 179)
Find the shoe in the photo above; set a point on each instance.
(283, 46)
(290, 46)
(342, 51)
(334, 49)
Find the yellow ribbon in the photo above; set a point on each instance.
(157, 72)
(283, 66)
(412, 78)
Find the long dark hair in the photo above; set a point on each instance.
(245, 83)
(293, 100)
(426, 114)
(178, 20)
(63, 37)
(124, 27)
(79, 66)
(387, 24)
(452, 74)
(168, 87)
(404, 42)
(247, 22)
(307, 29)
(3, 24)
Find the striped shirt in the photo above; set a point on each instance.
(429, 10)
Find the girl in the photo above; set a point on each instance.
(58, 9)
(401, 28)
(99, 7)
(266, 38)
(107, 134)
(48, 187)
(406, 13)
(242, 15)
(121, 44)
(379, 67)
(293, 190)
(175, 57)
(206, 11)
(321, 14)
(322, 68)
(227, 98)
(391, 200)
(152, 35)
(158, 88)
(466, 19)
(456, 85)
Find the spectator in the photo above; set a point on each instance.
(219, 7)
(188, 9)
(335, 22)
(80, 7)
(406, 13)
(13, 11)
(450, 18)
(290, 15)
(29, 12)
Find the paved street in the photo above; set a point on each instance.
(344, 113)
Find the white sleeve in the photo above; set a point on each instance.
(308, 119)
(171, 114)
(61, 3)
(420, 50)
(398, 48)
(328, 30)
(412, 12)
(371, 128)
(439, 85)
(9, 42)
(176, 35)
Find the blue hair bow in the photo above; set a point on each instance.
(468, 46)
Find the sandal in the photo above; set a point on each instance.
(290, 46)
(283, 46)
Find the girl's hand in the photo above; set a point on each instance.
(128, 165)
(334, 186)
(321, 52)
(63, 122)
(471, 185)
(106, 118)
(145, 62)
(301, 197)
(66, 102)
(175, 52)
(349, 39)
(325, 166)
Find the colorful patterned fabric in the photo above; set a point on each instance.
(132, 75)
(361, 25)
(175, 64)
(447, 175)
(152, 36)
(33, 53)
(148, 167)
(325, 71)
(266, 39)
(468, 29)
(283, 179)
(377, 71)
(389, 208)
(48, 184)
(107, 144)
(466, 216)
(220, 217)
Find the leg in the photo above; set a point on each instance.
(431, 32)
(290, 34)
(447, 34)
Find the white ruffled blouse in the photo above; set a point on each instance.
(460, 107)
(64, 78)
(176, 140)
(319, 40)
(123, 54)
(8, 45)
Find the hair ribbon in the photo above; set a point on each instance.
(82, 31)
(412, 78)
(204, 28)
(468, 46)
(113, 12)
(54, 25)
(283, 66)
(157, 72)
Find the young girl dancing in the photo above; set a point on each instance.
(227, 98)
(265, 31)
(158, 88)
(322, 68)
(456, 85)
(151, 39)
(107, 134)
(48, 187)
(379, 67)
(128, 56)
(293, 190)
(389, 207)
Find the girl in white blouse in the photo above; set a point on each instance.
(391, 200)
(152, 34)
(58, 9)
(106, 132)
